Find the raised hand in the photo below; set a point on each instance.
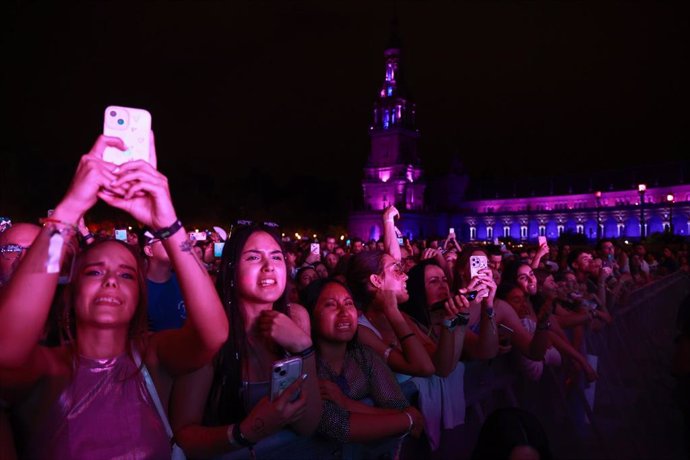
(456, 305)
(93, 177)
(390, 213)
(146, 194)
(282, 330)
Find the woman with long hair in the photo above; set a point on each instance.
(99, 394)
(349, 372)
(226, 407)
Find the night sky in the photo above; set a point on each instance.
(261, 109)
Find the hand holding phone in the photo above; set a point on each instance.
(477, 263)
(131, 125)
(284, 373)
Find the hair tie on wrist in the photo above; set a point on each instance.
(305, 353)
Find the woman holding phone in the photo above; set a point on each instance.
(94, 396)
(227, 407)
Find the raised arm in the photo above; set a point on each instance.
(390, 239)
(485, 344)
(25, 301)
(451, 337)
(414, 358)
(147, 199)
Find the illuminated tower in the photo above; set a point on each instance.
(393, 172)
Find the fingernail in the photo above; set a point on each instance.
(116, 170)
(304, 376)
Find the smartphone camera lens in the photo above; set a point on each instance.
(113, 113)
(282, 373)
(120, 121)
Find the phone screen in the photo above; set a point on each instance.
(315, 248)
(218, 250)
(121, 234)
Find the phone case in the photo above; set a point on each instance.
(285, 372)
(541, 240)
(476, 264)
(131, 125)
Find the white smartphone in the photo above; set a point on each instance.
(197, 236)
(451, 232)
(477, 263)
(315, 249)
(541, 240)
(285, 372)
(131, 125)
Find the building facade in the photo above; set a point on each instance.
(394, 175)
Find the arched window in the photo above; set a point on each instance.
(473, 233)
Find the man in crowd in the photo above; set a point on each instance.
(166, 305)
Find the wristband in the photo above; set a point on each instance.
(305, 353)
(167, 232)
(463, 318)
(490, 313)
(405, 337)
(51, 220)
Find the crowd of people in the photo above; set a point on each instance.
(164, 345)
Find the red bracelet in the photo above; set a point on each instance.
(52, 220)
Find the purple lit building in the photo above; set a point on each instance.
(393, 175)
